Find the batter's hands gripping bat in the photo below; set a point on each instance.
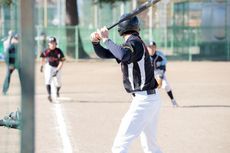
(138, 10)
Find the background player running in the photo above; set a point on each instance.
(52, 61)
(11, 59)
(158, 61)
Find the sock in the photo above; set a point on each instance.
(58, 89)
(48, 87)
(170, 95)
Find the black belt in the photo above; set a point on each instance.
(149, 92)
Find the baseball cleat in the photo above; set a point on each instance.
(49, 98)
(174, 103)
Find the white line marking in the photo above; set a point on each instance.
(64, 99)
(67, 147)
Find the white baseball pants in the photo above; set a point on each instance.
(141, 119)
(49, 71)
(165, 84)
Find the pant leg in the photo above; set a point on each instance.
(133, 122)
(165, 84)
(58, 83)
(148, 135)
(58, 77)
(6, 84)
(48, 74)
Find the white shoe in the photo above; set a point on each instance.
(50, 99)
(174, 103)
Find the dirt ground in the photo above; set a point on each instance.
(94, 102)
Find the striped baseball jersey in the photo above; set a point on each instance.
(135, 62)
(53, 56)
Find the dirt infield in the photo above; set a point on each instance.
(94, 102)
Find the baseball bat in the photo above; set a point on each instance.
(138, 10)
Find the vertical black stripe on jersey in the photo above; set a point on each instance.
(126, 82)
(136, 76)
(150, 82)
(134, 83)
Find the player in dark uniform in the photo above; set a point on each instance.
(158, 62)
(138, 79)
(11, 60)
(52, 62)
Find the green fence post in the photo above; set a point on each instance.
(189, 46)
(76, 43)
(26, 69)
(227, 30)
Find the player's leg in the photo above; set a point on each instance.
(133, 122)
(6, 84)
(48, 88)
(48, 79)
(148, 135)
(168, 89)
(58, 86)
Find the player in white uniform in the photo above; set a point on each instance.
(52, 61)
(158, 61)
(138, 79)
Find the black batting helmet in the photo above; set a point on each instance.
(128, 26)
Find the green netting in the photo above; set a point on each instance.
(182, 29)
(1, 47)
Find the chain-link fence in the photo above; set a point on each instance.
(186, 30)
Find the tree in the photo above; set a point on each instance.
(72, 20)
(6, 2)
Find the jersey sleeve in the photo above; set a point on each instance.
(62, 57)
(164, 59)
(102, 52)
(158, 63)
(137, 50)
(43, 54)
(120, 52)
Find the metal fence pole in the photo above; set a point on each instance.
(26, 26)
(150, 13)
(227, 26)
(189, 34)
(76, 42)
(45, 17)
